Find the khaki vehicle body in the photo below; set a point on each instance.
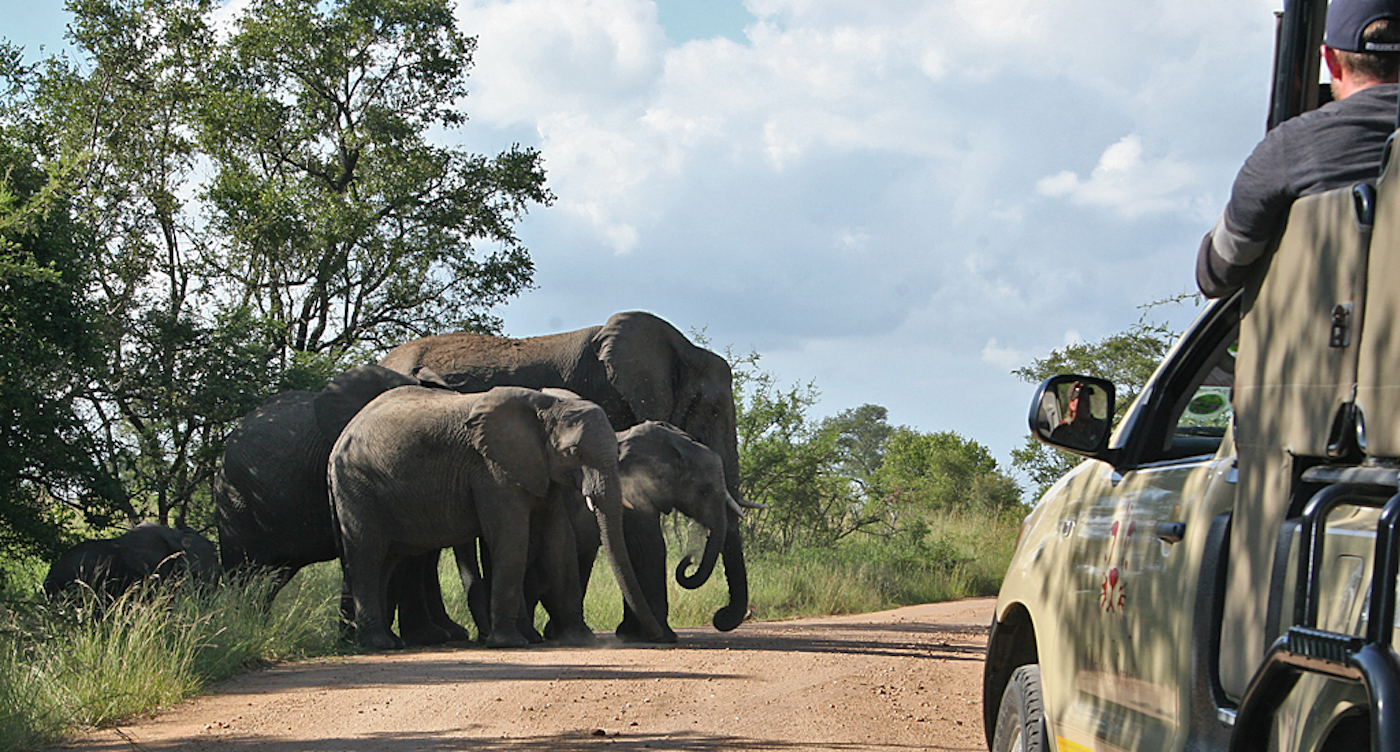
(1206, 579)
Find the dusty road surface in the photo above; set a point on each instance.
(908, 679)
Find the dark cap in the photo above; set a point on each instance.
(1347, 19)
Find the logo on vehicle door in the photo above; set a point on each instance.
(1112, 595)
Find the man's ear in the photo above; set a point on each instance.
(1333, 62)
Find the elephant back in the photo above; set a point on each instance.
(272, 504)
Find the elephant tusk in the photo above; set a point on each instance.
(589, 501)
(738, 510)
(627, 504)
(745, 503)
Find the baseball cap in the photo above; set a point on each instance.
(1347, 19)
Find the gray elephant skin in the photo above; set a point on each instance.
(420, 470)
(637, 367)
(149, 551)
(662, 470)
(271, 498)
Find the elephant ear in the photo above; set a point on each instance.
(349, 392)
(505, 427)
(642, 354)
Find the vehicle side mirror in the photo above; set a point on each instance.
(1073, 413)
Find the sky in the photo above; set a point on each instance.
(898, 202)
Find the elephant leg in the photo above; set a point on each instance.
(432, 599)
(646, 547)
(509, 545)
(477, 585)
(556, 566)
(408, 595)
(423, 619)
(366, 575)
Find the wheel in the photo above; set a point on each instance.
(1021, 718)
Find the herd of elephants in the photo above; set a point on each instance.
(524, 456)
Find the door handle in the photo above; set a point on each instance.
(1171, 532)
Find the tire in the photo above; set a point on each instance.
(1021, 718)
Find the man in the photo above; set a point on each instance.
(1334, 146)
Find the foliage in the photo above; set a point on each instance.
(208, 218)
(854, 473)
(1127, 358)
(340, 220)
(48, 344)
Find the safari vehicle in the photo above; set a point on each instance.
(1220, 573)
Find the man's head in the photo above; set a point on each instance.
(1362, 46)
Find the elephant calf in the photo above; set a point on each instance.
(662, 469)
(109, 567)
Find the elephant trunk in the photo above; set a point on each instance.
(605, 496)
(713, 545)
(733, 613)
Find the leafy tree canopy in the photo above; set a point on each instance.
(191, 220)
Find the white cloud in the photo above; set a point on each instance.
(879, 196)
(1127, 183)
(1006, 358)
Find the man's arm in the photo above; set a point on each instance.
(1224, 260)
(1255, 214)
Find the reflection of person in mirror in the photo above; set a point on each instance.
(1079, 428)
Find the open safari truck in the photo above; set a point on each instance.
(1221, 572)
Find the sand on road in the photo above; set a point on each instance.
(907, 679)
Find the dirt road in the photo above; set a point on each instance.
(908, 679)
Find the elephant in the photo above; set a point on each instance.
(661, 469)
(149, 551)
(419, 470)
(271, 498)
(637, 367)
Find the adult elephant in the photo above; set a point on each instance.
(419, 470)
(109, 567)
(271, 498)
(637, 367)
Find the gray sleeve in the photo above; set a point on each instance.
(1257, 209)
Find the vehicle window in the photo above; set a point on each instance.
(1203, 417)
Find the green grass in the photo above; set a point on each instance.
(68, 668)
(65, 669)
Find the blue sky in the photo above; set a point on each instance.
(899, 202)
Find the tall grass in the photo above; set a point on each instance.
(957, 555)
(75, 666)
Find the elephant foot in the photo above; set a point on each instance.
(379, 641)
(456, 632)
(630, 630)
(427, 634)
(516, 640)
(668, 636)
(575, 637)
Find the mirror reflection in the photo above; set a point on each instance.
(1074, 415)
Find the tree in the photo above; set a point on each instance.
(1128, 359)
(48, 343)
(340, 222)
(941, 472)
(171, 377)
(784, 463)
(849, 474)
(330, 224)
